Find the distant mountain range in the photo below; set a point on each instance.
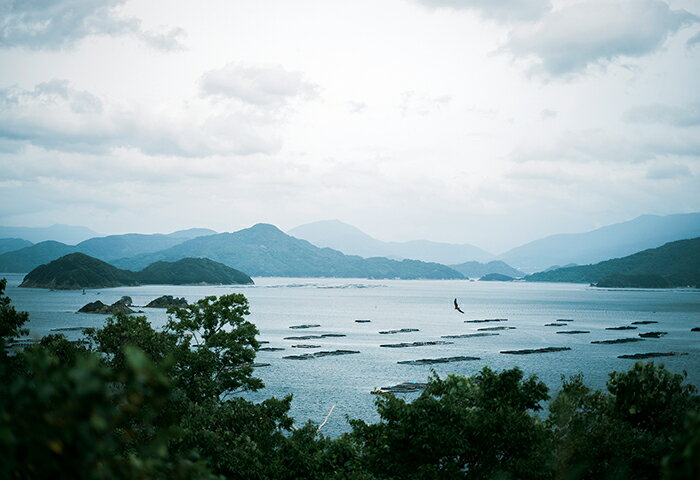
(675, 264)
(613, 241)
(104, 248)
(264, 250)
(68, 234)
(353, 241)
(12, 244)
(77, 270)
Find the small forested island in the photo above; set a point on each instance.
(496, 277)
(167, 301)
(79, 271)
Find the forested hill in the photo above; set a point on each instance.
(191, 271)
(677, 263)
(77, 270)
(264, 250)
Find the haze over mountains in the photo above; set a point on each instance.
(69, 234)
(612, 241)
(107, 248)
(353, 241)
(264, 250)
(675, 264)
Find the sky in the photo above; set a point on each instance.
(463, 121)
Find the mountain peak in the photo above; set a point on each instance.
(263, 228)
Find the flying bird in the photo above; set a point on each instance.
(457, 307)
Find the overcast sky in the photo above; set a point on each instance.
(467, 121)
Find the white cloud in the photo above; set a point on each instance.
(499, 10)
(694, 40)
(685, 116)
(262, 86)
(56, 116)
(595, 32)
(664, 171)
(57, 24)
(356, 107)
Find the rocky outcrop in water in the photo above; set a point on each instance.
(101, 308)
(573, 332)
(644, 322)
(306, 325)
(624, 327)
(494, 328)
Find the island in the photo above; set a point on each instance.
(167, 301)
(77, 271)
(496, 277)
(120, 306)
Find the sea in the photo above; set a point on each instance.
(343, 385)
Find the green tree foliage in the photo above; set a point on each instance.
(474, 428)
(11, 321)
(89, 421)
(624, 433)
(683, 462)
(133, 402)
(216, 347)
(121, 330)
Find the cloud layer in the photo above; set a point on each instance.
(684, 116)
(499, 10)
(57, 24)
(262, 86)
(55, 116)
(595, 32)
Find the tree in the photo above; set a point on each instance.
(11, 321)
(86, 420)
(472, 428)
(624, 433)
(216, 347)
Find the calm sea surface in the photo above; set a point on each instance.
(335, 304)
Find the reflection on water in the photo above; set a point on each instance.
(426, 305)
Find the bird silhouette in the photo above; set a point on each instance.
(457, 307)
